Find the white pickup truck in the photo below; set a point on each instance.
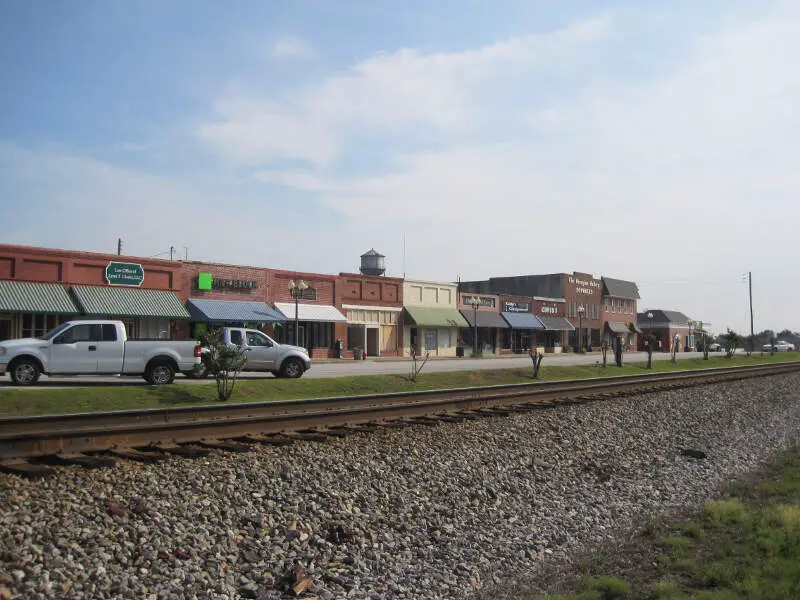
(96, 348)
(263, 354)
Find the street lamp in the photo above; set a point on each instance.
(296, 290)
(650, 317)
(580, 328)
(475, 303)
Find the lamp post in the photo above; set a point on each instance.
(650, 317)
(475, 303)
(580, 328)
(296, 290)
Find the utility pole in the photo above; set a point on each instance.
(119, 246)
(750, 285)
(171, 252)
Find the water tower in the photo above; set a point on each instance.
(372, 263)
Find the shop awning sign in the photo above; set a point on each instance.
(128, 274)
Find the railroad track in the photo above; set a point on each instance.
(29, 444)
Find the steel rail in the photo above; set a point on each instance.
(32, 436)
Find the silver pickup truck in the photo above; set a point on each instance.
(96, 348)
(263, 354)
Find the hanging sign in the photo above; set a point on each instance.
(129, 274)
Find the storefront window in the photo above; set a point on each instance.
(430, 339)
(34, 326)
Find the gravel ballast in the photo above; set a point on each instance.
(419, 512)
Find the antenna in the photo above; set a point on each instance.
(404, 255)
(171, 251)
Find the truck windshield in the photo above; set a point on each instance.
(51, 334)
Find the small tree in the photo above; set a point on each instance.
(415, 371)
(224, 362)
(731, 340)
(706, 344)
(676, 344)
(604, 347)
(649, 342)
(537, 358)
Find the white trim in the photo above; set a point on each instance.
(380, 308)
(549, 299)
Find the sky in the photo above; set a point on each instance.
(641, 140)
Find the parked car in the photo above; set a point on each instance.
(96, 348)
(263, 354)
(781, 346)
(715, 347)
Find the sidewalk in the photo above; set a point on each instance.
(549, 356)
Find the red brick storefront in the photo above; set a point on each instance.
(373, 307)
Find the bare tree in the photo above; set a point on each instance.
(676, 344)
(604, 347)
(224, 362)
(618, 350)
(537, 359)
(415, 371)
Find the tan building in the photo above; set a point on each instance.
(431, 320)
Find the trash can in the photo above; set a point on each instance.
(460, 351)
(358, 354)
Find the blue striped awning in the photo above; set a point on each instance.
(522, 320)
(232, 311)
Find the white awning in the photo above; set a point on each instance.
(311, 312)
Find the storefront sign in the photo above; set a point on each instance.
(549, 310)
(309, 293)
(206, 281)
(484, 301)
(119, 273)
(516, 307)
(585, 286)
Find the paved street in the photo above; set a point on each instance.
(372, 367)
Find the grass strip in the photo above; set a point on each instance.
(744, 546)
(91, 398)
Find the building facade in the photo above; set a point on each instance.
(43, 287)
(431, 322)
(372, 305)
(487, 330)
(666, 326)
(619, 311)
(521, 336)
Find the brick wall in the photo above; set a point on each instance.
(192, 269)
(369, 290)
(49, 265)
(584, 289)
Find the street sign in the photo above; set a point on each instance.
(129, 274)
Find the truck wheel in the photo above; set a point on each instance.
(24, 371)
(292, 368)
(159, 373)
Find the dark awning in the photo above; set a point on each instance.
(485, 319)
(232, 311)
(31, 297)
(129, 302)
(428, 316)
(522, 320)
(617, 327)
(555, 323)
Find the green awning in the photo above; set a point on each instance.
(434, 317)
(129, 302)
(31, 297)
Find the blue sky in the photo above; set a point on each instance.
(641, 140)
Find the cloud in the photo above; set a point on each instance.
(400, 93)
(289, 46)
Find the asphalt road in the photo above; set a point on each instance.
(369, 367)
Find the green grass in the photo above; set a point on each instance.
(17, 402)
(746, 546)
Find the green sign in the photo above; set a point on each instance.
(204, 281)
(119, 273)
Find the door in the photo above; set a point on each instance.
(75, 349)
(260, 352)
(5, 328)
(373, 341)
(110, 350)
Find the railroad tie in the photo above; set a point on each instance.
(183, 451)
(225, 445)
(268, 440)
(25, 469)
(135, 455)
(307, 437)
(82, 460)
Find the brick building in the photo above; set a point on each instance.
(665, 325)
(372, 305)
(619, 310)
(517, 311)
(42, 287)
(482, 313)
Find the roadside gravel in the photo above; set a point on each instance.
(420, 512)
